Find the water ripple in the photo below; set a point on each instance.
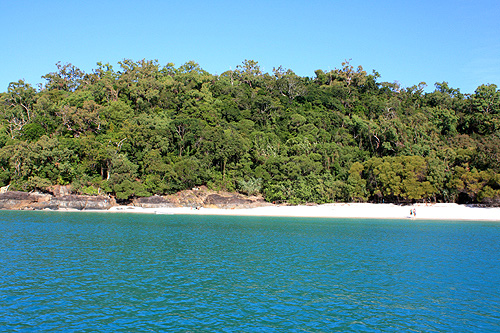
(112, 272)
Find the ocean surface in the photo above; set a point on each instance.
(95, 272)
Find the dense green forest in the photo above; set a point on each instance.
(142, 129)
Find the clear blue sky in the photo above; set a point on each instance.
(405, 41)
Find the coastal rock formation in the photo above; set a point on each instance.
(82, 202)
(23, 200)
(200, 197)
(230, 201)
(62, 199)
(36, 201)
(187, 198)
(155, 201)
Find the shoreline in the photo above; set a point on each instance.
(440, 211)
(201, 201)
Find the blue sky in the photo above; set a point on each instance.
(405, 41)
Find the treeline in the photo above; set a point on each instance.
(145, 129)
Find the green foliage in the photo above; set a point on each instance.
(251, 186)
(32, 132)
(90, 190)
(36, 183)
(127, 189)
(340, 136)
(399, 179)
(356, 185)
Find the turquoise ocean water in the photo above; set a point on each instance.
(94, 272)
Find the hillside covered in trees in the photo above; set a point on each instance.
(142, 129)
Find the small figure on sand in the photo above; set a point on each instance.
(414, 212)
(411, 212)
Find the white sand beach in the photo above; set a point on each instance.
(340, 210)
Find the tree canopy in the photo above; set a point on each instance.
(143, 129)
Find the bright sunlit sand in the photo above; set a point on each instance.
(341, 210)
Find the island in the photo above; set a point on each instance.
(144, 134)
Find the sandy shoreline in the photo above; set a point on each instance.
(339, 210)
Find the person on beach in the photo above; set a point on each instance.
(414, 212)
